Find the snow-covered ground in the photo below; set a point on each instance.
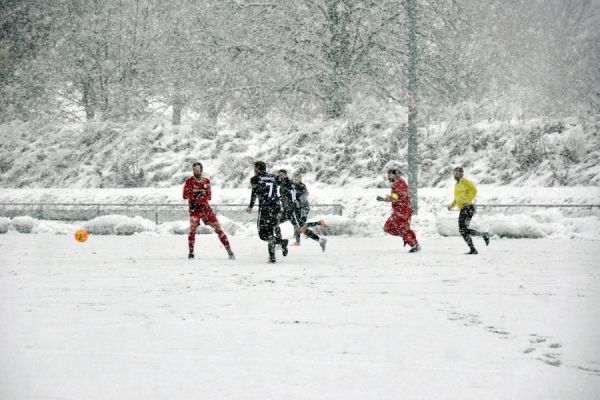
(128, 317)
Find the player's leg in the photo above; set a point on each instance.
(272, 226)
(265, 232)
(295, 219)
(473, 232)
(400, 227)
(194, 222)
(312, 235)
(410, 238)
(277, 233)
(307, 225)
(301, 218)
(212, 221)
(390, 227)
(464, 218)
(320, 223)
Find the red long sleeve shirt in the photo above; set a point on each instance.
(192, 191)
(400, 198)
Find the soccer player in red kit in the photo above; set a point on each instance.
(197, 192)
(398, 224)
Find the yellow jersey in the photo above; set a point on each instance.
(464, 193)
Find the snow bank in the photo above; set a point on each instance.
(174, 227)
(338, 225)
(56, 227)
(4, 224)
(363, 216)
(118, 225)
(23, 224)
(537, 224)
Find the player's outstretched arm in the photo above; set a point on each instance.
(387, 199)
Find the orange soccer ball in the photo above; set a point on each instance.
(81, 235)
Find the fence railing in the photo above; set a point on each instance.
(566, 209)
(165, 212)
(157, 212)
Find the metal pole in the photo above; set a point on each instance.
(413, 155)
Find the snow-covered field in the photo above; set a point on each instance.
(128, 317)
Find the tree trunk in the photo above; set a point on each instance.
(338, 53)
(413, 151)
(177, 108)
(88, 98)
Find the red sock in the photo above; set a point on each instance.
(191, 241)
(224, 240)
(410, 238)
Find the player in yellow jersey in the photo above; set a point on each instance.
(464, 194)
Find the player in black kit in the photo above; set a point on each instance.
(292, 194)
(265, 186)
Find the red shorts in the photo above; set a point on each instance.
(397, 226)
(206, 214)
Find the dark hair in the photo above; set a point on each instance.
(197, 164)
(394, 171)
(282, 170)
(459, 169)
(260, 165)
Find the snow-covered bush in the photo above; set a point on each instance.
(131, 227)
(54, 227)
(447, 226)
(529, 149)
(230, 226)
(24, 224)
(4, 224)
(341, 225)
(332, 152)
(119, 225)
(174, 227)
(515, 226)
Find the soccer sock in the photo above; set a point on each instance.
(224, 240)
(311, 235)
(271, 248)
(410, 238)
(313, 224)
(469, 242)
(191, 241)
(277, 232)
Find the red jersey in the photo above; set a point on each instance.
(400, 198)
(197, 191)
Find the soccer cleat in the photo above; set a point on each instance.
(486, 238)
(415, 248)
(323, 244)
(272, 260)
(284, 247)
(190, 256)
(295, 244)
(473, 251)
(231, 255)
